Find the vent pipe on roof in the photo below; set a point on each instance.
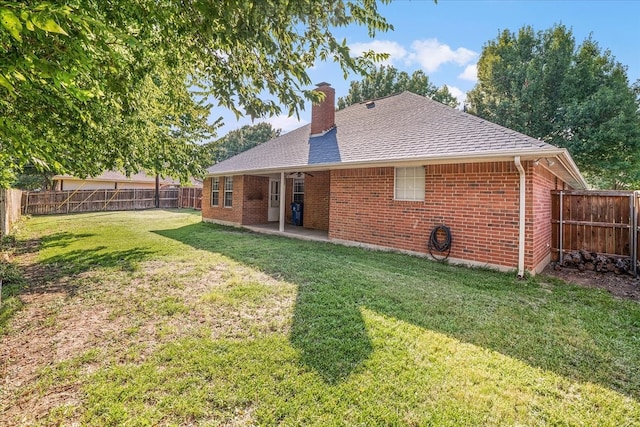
(323, 115)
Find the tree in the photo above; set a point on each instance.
(239, 140)
(387, 80)
(577, 97)
(90, 85)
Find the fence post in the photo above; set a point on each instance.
(561, 225)
(4, 223)
(634, 232)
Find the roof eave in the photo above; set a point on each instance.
(439, 159)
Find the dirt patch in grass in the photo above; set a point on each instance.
(52, 329)
(621, 286)
(120, 317)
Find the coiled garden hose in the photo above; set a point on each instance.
(440, 242)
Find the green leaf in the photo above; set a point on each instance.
(49, 25)
(11, 23)
(6, 84)
(19, 76)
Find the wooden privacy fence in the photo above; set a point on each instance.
(604, 222)
(62, 202)
(9, 209)
(190, 197)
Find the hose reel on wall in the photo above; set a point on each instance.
(440, 242)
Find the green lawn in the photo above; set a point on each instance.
(154, 318)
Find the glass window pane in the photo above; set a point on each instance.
(410, 183)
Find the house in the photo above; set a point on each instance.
(384, 173)
(114, 180)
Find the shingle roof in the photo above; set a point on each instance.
(399, 128)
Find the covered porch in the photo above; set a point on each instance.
(268, 198)
(291, 231)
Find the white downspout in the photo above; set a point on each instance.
(523, 213)
(283, 192)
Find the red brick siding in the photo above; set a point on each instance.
(479, 202)
(543, 182)
(232, 214)
(323, 114)
(255, 199)
(316, 200)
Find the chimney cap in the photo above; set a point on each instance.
(323, 84)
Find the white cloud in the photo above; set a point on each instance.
(431, 54)
(470, 73)
(394, 49)
(286, 123)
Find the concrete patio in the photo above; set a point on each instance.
(292, 231)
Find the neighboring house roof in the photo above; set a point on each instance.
(398, 129)
(141, 177)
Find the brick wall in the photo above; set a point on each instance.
(479, 202)
(255, 199)
(232, 214)
(543, 181)
(316, 200)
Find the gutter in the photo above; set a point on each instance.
(523, 213)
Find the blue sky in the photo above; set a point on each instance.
(445, 39)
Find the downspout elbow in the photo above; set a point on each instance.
(522, 216)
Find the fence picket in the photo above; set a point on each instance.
(596, 221)
(48, 202)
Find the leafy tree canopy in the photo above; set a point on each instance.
(387, 80)
(93, 85)
(239, 140)
(577, 97)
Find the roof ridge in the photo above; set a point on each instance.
(379, 98)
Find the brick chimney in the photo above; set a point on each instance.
(323, 115)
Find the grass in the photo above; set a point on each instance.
(194, 323)
(11, 282)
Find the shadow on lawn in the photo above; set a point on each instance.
(543, 329)
(44, 276)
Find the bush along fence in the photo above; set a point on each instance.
(596, 230)
(64, 202)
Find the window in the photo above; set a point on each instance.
(215, 191)
(228, 191)
(298, 190)
(410, 183)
